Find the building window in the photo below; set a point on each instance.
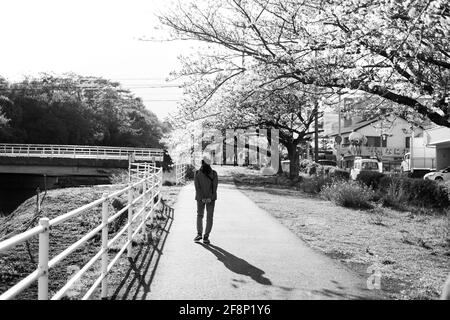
(346, 141)
(375, 142)
(408, 142)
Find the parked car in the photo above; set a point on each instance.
(361, 164)
(440, 175)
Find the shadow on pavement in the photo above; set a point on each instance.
(135, 283)
(238, 265)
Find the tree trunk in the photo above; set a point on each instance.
(280, 168)
(293, 155)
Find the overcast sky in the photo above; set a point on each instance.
(91, 37)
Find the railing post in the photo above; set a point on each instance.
(43, 259)
(130, 228)
(150, 197)
(105, 217)
(184, 173)
(145, 199)
(159, 181)
(129, 171)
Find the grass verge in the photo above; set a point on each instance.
(411, 250)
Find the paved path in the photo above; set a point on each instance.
(251, 256)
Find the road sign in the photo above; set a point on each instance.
(338, 139)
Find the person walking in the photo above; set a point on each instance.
(206, 181)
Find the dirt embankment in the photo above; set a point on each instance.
(18, 262)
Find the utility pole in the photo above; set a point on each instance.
(339, 134)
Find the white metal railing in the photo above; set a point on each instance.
(79, 152)
(143, 198)
(138, 170)
(180, 173)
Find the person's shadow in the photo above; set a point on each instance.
(238, 265)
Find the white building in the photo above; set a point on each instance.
(388, 139)
(440, 138)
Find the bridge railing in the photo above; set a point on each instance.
(79, 152)
(143, 198)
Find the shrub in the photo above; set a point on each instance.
(316, 184)
(391, 202)
(308, 166)
(370, 178)
(304, 164)
(418, 192)
(312, 169)
(339, 174)
(118, 204)
(118, 176)
(351, 194)
(395, 196)
(323, 170)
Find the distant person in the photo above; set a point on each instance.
(206, 181)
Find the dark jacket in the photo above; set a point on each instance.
(206, 186)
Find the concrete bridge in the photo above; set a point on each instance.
(64, 160)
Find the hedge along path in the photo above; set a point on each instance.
(416, 192)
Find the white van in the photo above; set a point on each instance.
(361, 164)
(426, 162)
